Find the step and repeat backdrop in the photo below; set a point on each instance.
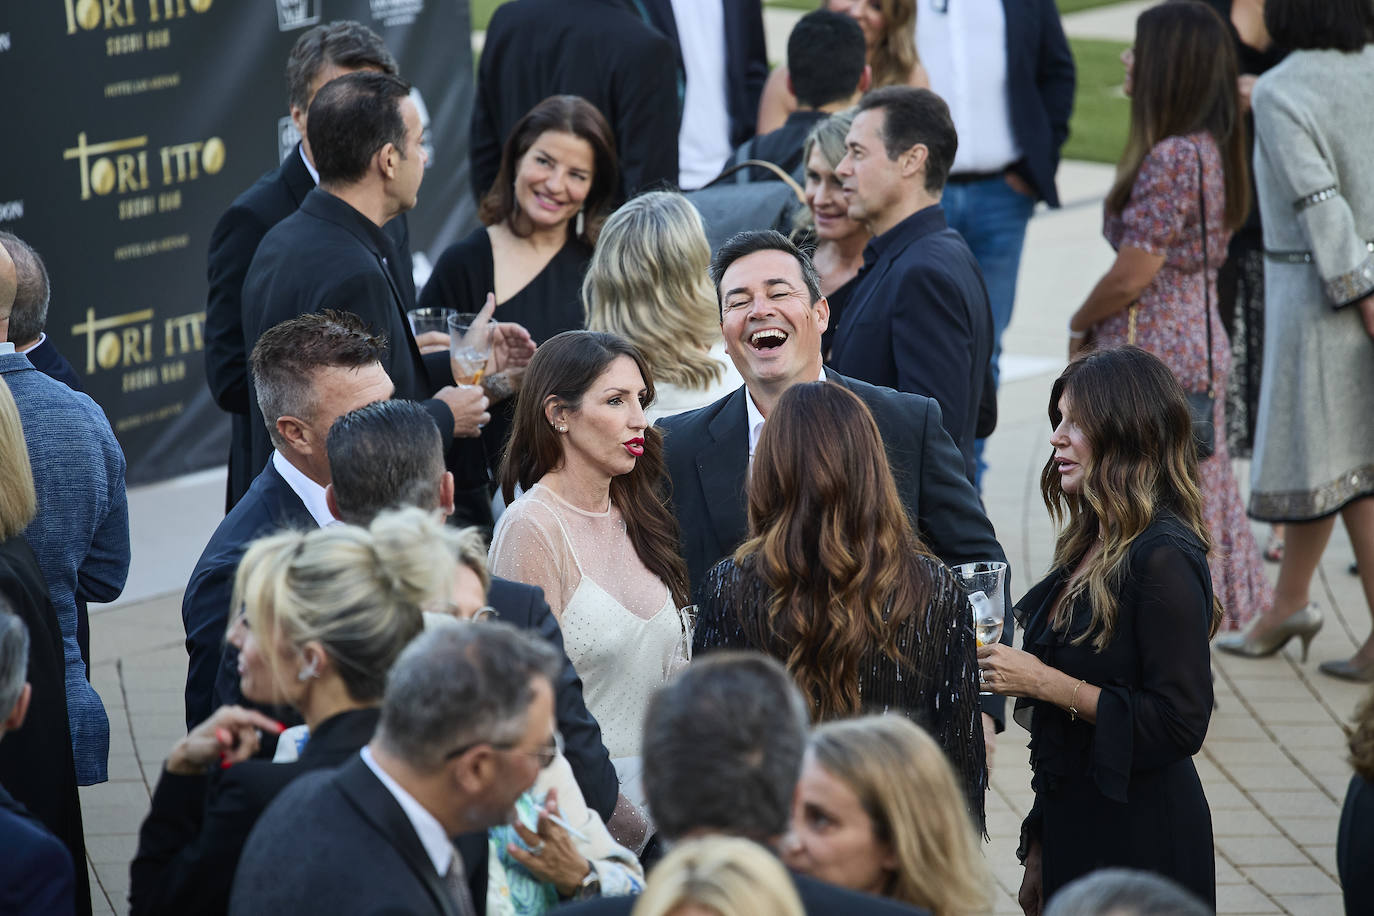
(129, 126)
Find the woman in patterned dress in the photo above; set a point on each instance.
(1185, 129)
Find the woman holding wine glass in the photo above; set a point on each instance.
(834, 582)
(1114, 683)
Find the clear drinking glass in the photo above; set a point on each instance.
(469, 346)
(429, 321)
(985, 583)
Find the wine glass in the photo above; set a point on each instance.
(470, 339)
(984, 582)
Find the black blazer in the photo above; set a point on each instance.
(707, 452)
(599, 49)
(524, 606)
(270, 504)
(746, 57)
(271, 199)
(919, 321)
(817, 898)
(47, 359)
(1040, 86)
(191, 840)
(337, 842)
(36, 762)
(36, 874)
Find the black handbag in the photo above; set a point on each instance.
(1201, 404)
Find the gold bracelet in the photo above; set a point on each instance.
(1073, 701)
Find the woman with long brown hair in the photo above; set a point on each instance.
(593, 530)
(833, 582)
(1115, 678)
(1186, 146)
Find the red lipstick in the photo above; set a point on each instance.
(634, 447)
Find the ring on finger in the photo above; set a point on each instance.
(537, 849)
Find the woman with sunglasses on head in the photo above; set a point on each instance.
(324, 614)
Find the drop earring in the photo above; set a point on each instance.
(581, 224)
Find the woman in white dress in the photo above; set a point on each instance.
(648, 283)
(594, 531)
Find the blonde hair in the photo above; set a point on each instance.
(356, 591)
(18, 502)
(728, 875)
(469, 548)
(648, 283)
(908, 789)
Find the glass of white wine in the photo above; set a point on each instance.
(469, 346)
(985, 584)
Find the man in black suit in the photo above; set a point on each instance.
(722, 63)
(723, 746)
(918, 319)
(772, 318)
(365, 135)
(36, 874)
(599, 49)
(380, 457)
(467, 722)
(29, 316)
(319, 55)
(307, 372)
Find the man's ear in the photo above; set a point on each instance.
(298, 119)
(822, 310)
(387, 158)
(865, 79)
(446, 494)
(293, 431)
(21, 709)
(330, 501)
(914, 160)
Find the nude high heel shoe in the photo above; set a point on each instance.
(1304, 624)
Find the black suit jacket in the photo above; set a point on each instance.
(337, 842)
(817, 898)
(599, 49)
(270, 504)
(524, 606)
(919, 321)
(271, 199)
(191, 841)
(707, 452)
(36, 874)
(1040, 84)
(47, 359)
(36, 761)
(746, 57)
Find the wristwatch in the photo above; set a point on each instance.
(590, 886)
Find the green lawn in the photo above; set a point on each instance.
(1101, 114)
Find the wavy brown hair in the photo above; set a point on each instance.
(830, 537)
(568, 114)
(1143, 461)
(1184, 81)
(1362, 740)
(565, 367)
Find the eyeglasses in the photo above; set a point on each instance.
(545, 755)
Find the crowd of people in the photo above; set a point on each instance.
(719, 655)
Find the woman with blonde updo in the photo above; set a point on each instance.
(324, 613)
(648, 283)
(719, 876)
(877, 809)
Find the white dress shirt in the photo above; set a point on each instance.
(757, 419)
(6, 346)
(311, 493)
(704, 138)
(309, 166)
(427, 827)
(964, 50)
(42, 336)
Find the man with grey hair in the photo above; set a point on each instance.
(467, 723)
(36, 874)
(29, 317)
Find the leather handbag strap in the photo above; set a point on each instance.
(1206, 286)
(763, 164)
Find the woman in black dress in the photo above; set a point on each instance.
(540, 221)
(834, 583)
(1114, 682)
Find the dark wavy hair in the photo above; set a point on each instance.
(569, 114)
(564, 367)
(1134, 415)
(830, 537)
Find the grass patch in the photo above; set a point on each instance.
(1073, 6)
(1101, 114)
(481, 12)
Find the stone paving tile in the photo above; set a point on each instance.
(1243, 898)
(1278, 880)
(1249, 822)
(1270, 777)
(1270, 850)
(1313, 904)
(1281, 805)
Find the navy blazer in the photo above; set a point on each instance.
(269, 505)
(746, 58)
(336, 841)
(1040, 86)
(707, 452)
(271, 199)
(919, 321)
(36, 875)
(47, 359)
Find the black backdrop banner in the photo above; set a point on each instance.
(129, 127)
